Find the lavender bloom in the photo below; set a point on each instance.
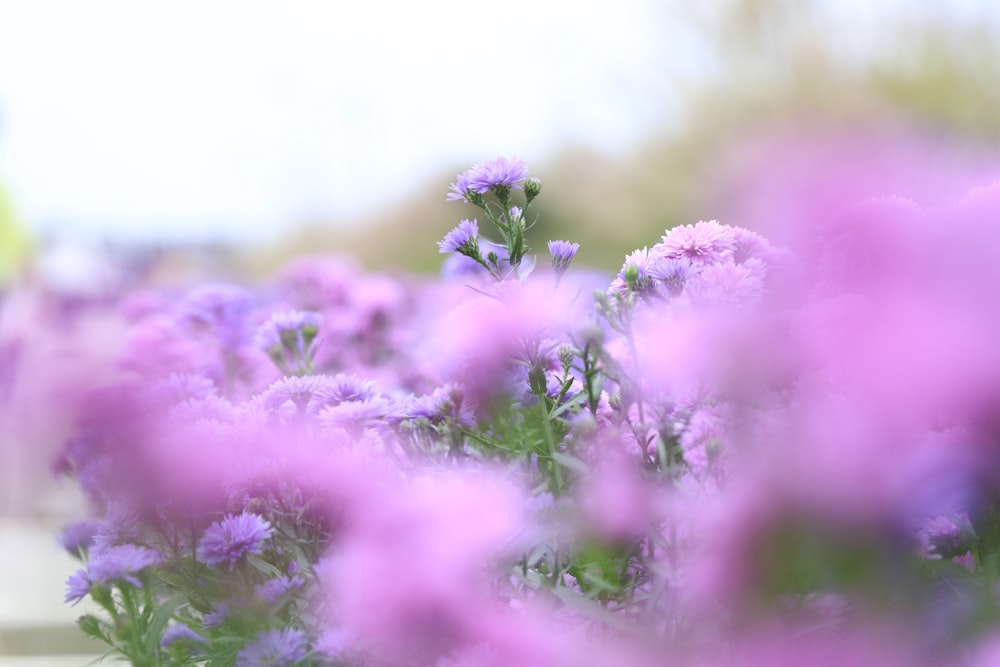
(461, 187)
(299, 390)
(728, 284)
(673, 273)
(224, 307)
(216, 617)
(123, 562)
(178, 632)
(701, 243)
(464, 238)
(77, 586)
(273, 590)
(747, 244)
(78, 537)
(635, 275)
(355, 416)
(562, 254)
(293, 330)
(344, 387)
(120, 525)
(233, 538)
(274, 648)
(442, 404)
(288, 338)
(500, 172)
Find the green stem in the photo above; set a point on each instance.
(550, 441)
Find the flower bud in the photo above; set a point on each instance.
(536, 379)
(532, 188)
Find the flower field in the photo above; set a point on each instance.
(776, 446)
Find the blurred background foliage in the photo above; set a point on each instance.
(766, 63)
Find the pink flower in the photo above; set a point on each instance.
(701, 243)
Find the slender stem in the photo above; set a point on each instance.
(550, 441)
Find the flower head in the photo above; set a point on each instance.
(77, 586)
(274, 648)
(461, 188)
(500, 174)
(78, 537)
(287, 328)
(701, 243)
(299, 390)
(231, 539)
(635, 275)
(562, 254)
(288, 338)
(222, 306)
(180, 632)
(672, 273)
(273, 590)
(123, 562)
(464, 238)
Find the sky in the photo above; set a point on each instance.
(233, 120)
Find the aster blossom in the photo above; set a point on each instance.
(701, 243)
(562, 253)
(287, 327)
(123, 562)
(274, 648)
(500, 174)
(231, 539)
(288, 338)
(636, 273)
(463, 238)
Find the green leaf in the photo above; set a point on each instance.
(158, 622)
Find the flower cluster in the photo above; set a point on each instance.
(739, 453)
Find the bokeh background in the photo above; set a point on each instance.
(241, 133)
(165, 143)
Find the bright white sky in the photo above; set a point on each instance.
(194, 119)
(200, 119)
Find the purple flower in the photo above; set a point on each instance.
(289, 340)
(355, 416)
(179, 632)
(299, 390)
(672, 273)
(77, 586)
(500, 172)
(231, 539)
(224, 307)
(635, 275)
(217, 616)
(729, 284)
(123, 562)
(562, 254)
(344, 387)
(78, 537)
(120, 526)
(443, 403)
(274, 648)
(464, 237)
(288, 329)
(460, 188)
(702, 243)
(273, 590)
